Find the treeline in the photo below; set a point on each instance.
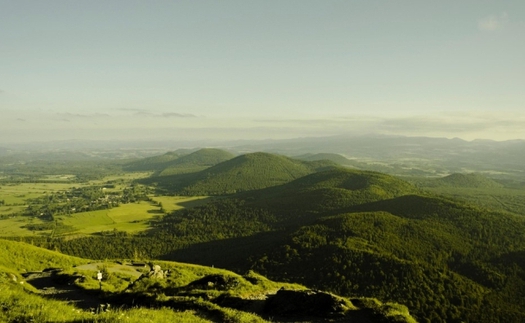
(20, 170)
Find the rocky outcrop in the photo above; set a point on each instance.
(306, 302)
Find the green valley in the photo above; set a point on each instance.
(439, 246)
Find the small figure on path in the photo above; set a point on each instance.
(99, 277)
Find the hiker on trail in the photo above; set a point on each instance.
(99, 277)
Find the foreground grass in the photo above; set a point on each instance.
(26, 307)
(184, 294)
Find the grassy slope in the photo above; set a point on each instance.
(193, 303)
(22, 257)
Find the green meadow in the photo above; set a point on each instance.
(132, 218)
(121, 178)
(15, 226)
(19, 193)
(127, 217)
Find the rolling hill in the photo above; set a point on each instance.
(347, 231)
(467, 181)
(154, 163)
(180, 161)
(242, 173)
(336, 158)
(196, 161)
(357, 232)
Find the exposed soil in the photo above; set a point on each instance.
(49, 287)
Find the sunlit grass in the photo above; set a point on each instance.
(130, 217)
(173, 203)
(14, 226)
(13, 193)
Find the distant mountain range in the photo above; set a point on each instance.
(410, 155)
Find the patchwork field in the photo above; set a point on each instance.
(127, 217)
(132, 217)
(19, 193)
(14, 226)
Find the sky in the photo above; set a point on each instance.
(216, 70)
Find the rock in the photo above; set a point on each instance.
(218, 282)
(156, 273)
(305, 302)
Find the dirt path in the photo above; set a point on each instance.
(49, 286)
(112, 267)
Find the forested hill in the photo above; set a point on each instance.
(369, 233)
(465, 181)
(180, 161)
(336, 158)
(243, 173)
(154, 163)
(329, 190)
(197, 161)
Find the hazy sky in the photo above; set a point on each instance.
(261, 69)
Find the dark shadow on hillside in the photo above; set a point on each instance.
(229, 253)
(155, 212)
(49, 287)
(408, 206)
(169, 184)
(198, 202)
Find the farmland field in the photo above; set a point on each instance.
(131, 217)
(19, 193)
(127, 217)
(14, 226)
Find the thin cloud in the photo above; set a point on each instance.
(164, 115)
(457, 124)
(493, 22)
(178, 115)
(146, 113)
(68, 115)
(142, 113)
